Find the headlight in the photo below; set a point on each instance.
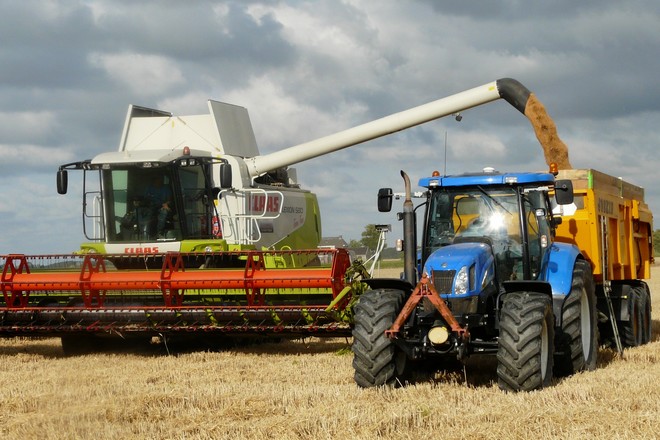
(461, 284)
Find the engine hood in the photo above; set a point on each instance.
(475, 259)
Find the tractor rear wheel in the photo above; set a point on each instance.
(525, 346)
(576, 342)
(376, 360)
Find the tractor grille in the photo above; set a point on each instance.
(443, 280)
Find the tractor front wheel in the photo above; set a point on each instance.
(376, 360)
(526, 341)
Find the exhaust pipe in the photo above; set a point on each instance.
(409, 229)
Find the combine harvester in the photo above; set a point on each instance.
(193, 233)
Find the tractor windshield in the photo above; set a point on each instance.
(476, 214)
(472, 213)
(493, 215)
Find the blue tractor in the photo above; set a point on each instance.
(487, 278)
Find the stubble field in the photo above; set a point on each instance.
(304, 389)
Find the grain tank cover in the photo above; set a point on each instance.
(225, 130)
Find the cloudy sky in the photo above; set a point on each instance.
(305, 69)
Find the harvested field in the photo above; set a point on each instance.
(304, 389)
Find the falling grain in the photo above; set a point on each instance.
(554, 148)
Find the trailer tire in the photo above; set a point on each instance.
(576, 342)
(526, 342)
(632, 330)
(647, 324)
(644, 300)
(376, 359)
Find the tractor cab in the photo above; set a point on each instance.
(511, 221)
(510, 214)
(483, 233)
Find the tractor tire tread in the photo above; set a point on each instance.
(520, 346)
(374, 359)
(570, 357)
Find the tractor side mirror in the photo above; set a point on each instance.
(62, 181)
(225, 176)
(564, 192)
(385, 199)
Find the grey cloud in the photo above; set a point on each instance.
(221, 45)
(521, 9)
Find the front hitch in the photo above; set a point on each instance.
(425, 289)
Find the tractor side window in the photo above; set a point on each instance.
(533, 237)
(538, 229)
(441, 226)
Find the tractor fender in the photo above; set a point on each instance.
(559, 270)
(559, 274)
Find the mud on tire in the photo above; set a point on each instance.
(576, 342)
(525, 347)
(376, 360)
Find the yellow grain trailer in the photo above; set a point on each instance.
(613, 227)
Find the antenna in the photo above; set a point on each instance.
(444, 172)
